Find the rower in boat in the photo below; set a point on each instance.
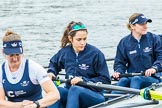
(82, 62)
(140, 51)
(22, 80)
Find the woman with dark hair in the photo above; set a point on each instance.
(82, 62)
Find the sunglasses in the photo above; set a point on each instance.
(77, 26)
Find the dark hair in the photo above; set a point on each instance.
(68, 32)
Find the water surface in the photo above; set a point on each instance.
(41, 22)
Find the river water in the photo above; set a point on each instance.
(41, 22)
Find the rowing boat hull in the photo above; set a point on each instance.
(136, 102)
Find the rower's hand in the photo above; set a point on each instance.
(30, 106)
(26, 103)
(75, 80)
(150, 71)
(52, 76)
(116, 75)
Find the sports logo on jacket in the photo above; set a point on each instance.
(24, 83)
(147, 49)
(132, 52)
(83, 66)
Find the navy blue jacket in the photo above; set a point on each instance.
(90, 64)
(133, 56)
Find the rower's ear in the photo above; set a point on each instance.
(132, 26)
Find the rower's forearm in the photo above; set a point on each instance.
(49, 99)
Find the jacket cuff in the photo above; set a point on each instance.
(155, 67)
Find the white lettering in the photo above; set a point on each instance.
(10, 94)
(15, 93)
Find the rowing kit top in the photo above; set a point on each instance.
(24, 84)
(89, 64)
(137, 56)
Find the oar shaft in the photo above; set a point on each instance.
(130, 74)
(154, 94)
(106, 87)
(112, 95)
(114, 87)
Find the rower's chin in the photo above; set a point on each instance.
(81, 49)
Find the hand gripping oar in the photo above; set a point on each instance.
(100, 85)
(128, 75)
(131, 74)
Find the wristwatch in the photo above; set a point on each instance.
(37, 103)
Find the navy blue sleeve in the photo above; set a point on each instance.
(120, 58)
(101, 68)
(56, 64)
(158, 53)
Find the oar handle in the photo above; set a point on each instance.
(134, 74)
(131, 74)
(128, 75)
